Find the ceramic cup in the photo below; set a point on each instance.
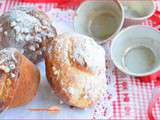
(137, 11)
(100, 20)
(135, 50)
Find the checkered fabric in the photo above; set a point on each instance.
(133, 95)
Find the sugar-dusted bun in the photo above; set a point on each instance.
(75, 68)
(27, 29)
(19, 79)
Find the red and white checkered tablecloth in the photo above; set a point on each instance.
(132, 95)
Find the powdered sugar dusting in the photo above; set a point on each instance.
(86, 49)
(27, 27)
(80, 49)
(7, 56)
(25, 24)
(73, 91)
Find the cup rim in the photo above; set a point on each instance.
(119, 66)
(145, 17)
(118, 28)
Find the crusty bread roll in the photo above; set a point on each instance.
(27, 29)
(75, 69)
(19, 79)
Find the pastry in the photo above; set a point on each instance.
(27, 29)
(19, 79)
(75, 69)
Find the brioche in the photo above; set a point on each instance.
(27, 29)
(19, 79)
(75, 69)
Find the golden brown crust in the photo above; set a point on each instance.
(74, 71)
(8, 75)
(27, 82)
(19, 79)
(7, 88)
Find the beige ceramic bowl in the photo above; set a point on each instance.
(137, 11)
(135, 50)
(99, 19)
